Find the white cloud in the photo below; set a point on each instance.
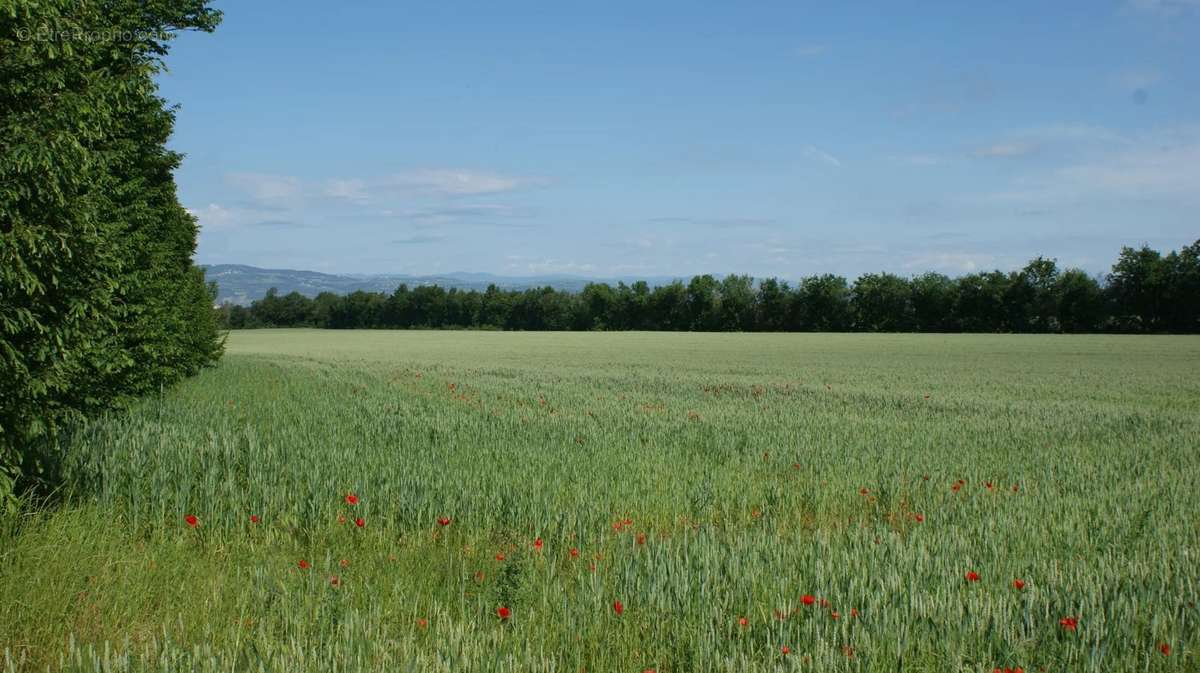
(821, 155)
(454, 182)
(1004, 150)
(212, 216)
(269, 189)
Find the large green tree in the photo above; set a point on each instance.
(99, 299)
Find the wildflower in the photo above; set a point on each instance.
(808, 599)
(795, 466)
(919, 517)
(1018, 584)
(1016, 488)
(191, 520)
(785, 649)
(351, 499)
(1165, 649)
(422, 622)
(1069, 623)
(345, 563)
(854, 612)
(503, 612)
(864, 491)
(444, 521)
(641, 538)
(618, 608)
(537, 544)
(334, 581)
(834, 615)
(574, 552)
(360, 522)
(742, 621)
(989, 485)
(253, 518)
(499, 557)
(304, 565)
(972, 576)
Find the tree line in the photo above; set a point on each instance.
(99, 299)
(1145, 292)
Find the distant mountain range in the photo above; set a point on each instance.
(241, 284)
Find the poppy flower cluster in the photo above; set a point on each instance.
(503, 612)
(972, 576)
(1069, 623)
(191, 520)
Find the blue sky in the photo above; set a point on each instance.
(615, 139)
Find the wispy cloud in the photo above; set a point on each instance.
(823, 156)
(265, 188)
(456, 182)
(1004, 150)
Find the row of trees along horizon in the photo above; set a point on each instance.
(1146, 292)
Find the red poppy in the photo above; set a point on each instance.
(422, 622)
(795, 466)
(351, 499)
(785, 649)
(618, 608)
(1069, 623)
(989, 485)
(253, 518)
(854, 612)
(617, 526)
(808, 599)
(537, 544)
(972, 576)
(628, 522)
(863, 491)
(574, 552)
(444, 521)
(503, 612)
(359, 522)
(1018, 584)
(835, 616)
(304, 565)
(955, 487)
(334, 581)
(641, 538)
(191, 520)
(919, 517)
(345, 563)
(499, 557)
(742, 621)
(1165, 649)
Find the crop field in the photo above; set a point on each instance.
(603, 502)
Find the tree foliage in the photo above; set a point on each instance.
(1146, 292)
(99, 299)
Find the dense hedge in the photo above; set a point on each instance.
(1145, 292)
(99, 299)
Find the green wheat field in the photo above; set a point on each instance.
(631, 502)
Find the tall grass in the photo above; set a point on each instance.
(751, 469)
